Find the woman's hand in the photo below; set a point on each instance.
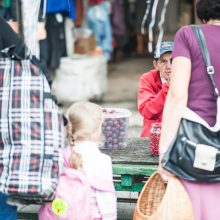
(165, 174)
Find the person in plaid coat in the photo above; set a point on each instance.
(153, 88)
(9, 38)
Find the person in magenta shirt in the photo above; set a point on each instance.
(191, 87)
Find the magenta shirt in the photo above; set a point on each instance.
(201, 98)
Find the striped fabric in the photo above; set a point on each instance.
(31, 133)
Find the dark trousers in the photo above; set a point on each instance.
(7, 212)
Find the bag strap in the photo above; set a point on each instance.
(205, 53)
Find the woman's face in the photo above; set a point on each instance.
(163, 64)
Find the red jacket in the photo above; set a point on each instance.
(151, 98)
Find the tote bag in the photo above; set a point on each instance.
(31, 131)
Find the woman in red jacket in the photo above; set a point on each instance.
(153, 88)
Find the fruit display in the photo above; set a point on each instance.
(115, 127)
(155, 138)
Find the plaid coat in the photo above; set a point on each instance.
(31, 133)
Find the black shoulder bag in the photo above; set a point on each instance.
(194, 155)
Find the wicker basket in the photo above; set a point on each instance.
(159, 201)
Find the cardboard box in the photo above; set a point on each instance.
(85, 45)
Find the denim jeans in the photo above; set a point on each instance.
(7, 212)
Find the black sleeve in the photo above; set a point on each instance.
(9, 38)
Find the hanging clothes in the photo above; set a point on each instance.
(98, 21)
(69, 36)
(118, 18)
(56, 44)
(119, 29)
(141, 6)
(94, 2)
(130, 16)
(30, 12)
(54, 6)
(65, 6)
(79, 13)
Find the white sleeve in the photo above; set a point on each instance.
(107, 203)
(99, 166)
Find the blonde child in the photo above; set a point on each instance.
(84, 158)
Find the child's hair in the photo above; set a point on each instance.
(84, 123)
